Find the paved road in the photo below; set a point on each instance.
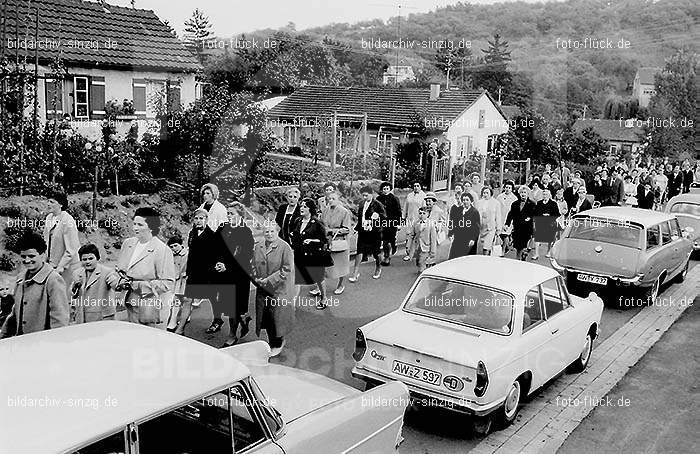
(323, 342)
(653, 409)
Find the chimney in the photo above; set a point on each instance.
(434, 91)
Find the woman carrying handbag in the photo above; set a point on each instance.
(337, 220)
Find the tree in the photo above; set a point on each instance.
(672, 109)
(365, 69)
(582, 147)
(451, 61)
(617, 107)
(491, 71)
(197, 33)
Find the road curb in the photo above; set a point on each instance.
(545, 423)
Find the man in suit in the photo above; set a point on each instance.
(616, 191)
(40, 296)
(675, 182)
(645, 195)
(571, 193)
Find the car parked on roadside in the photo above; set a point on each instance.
(478, 334)
(622, 248)
(115, 387)
(686, 207)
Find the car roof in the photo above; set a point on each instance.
(513, 276)
(141, 371)
(647, 218)
(682, 198)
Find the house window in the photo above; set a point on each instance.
(156, 98)
(80, 98)
(482, 118)
(491, 143)
(465, 145)
(626, 148)
(384, 143)
(54, 98)
(290, 135)
(613, 148)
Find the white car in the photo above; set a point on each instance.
(478, 334)
(121, 388)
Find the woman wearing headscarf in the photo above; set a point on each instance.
(216, 210)
(61, 237)
(464, 228)
(309, 242)
(491, 221)
(520, 220)
(546, 214)
(147, 271)
(274, 282)
(234, 272)
(288, 213)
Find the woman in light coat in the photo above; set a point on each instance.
(491, 219)
(61, 237)
(217, 211)
(274, 279)
(148, 272)
(338, 222)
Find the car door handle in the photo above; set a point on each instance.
(555, 331)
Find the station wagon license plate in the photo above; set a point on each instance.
(417, 373)
(593, 279)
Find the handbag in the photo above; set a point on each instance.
(497, 248)
(338, 245)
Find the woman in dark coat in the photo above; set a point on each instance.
(520, 221)
(370, 216)
(201, 259)
(234, 272)
(546, 214)
(309, 243)
(465, 228)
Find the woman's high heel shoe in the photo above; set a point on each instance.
(354, 278)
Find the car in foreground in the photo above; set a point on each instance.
(686, 207)
(116, 387)
(622, 248)
(478, 334)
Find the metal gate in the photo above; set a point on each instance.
(440, 174)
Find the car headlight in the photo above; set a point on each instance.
(360, 345)
(631, 280)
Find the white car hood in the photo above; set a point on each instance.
(449, 341)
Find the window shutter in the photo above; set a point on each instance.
(97, 97)
(174, 97)
(54, 98)
(140, 97)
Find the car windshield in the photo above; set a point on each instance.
(686, 208)
(462, 303)
(601, 230)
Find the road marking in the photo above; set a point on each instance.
(543, 425)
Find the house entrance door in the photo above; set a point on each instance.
(440, 174)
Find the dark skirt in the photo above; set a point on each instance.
(461, 248)
(545, 229)
(369, 243)
(308, 274)
(521, 237)
(201, 291)
(232, 299)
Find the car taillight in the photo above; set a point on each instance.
(482, 380)
(360, 345)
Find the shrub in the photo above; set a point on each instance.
(13, 234)
(12, 211)
(7, 262)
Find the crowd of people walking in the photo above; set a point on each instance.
(306, 246)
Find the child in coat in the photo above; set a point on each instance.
(422, 240)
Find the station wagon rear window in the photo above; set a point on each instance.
(686, 208)
(462, 303)
(623, 233)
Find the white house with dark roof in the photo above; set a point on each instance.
(110, 53)
(467, 121)
(643, 87)
(622, 136)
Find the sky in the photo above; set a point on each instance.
(232, 17)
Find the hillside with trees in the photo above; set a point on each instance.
(541, 73)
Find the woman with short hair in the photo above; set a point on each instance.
(338, 222)
(491, 221)
(520, 220)
(309, 242)
(61, 237)
(216, 211)
(288, 213)
(234, 272)
(147, 271)
(274, 282)
(465, 228)
(546, 214)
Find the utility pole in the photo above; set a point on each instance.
(585, 108)
(398, 40)
(35, 138)
(334, 131)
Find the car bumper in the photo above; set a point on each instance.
(428, 397)
(613, 281)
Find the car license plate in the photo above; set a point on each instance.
(417, 373)
(593, 279)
